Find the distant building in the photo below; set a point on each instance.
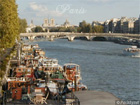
(66, 24)
(113, 27)
(48, 23)
(137, 26)
(120, 24)
(97, 23)
(106, 26)
(128, 26)
(30, 27)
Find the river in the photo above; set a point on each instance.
(103, 65)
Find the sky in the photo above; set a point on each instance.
(76, 11)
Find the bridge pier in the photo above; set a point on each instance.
(89, 38)
(31, 37)
(51, 38)
(70, 38)
(47, 37)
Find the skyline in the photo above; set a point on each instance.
(76, 10)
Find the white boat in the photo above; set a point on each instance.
(132, 51)
(79, 86)
(52, 87)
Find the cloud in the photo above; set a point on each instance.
(42, 10)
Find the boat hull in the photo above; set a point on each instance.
(133, 54)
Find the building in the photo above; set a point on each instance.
(106, 26)
(137, 26)
(30, 27)
(120, 24)
(66, 24)
(128, 26)
(48, 23)
(97, 23)
(113, 27)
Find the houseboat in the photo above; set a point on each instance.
(72, 74)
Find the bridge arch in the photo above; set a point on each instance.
(100, 38)
(71, 38)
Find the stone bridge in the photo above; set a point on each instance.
(71, 36)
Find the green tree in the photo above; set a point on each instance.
(83, 25)
(98, 29)
(88, 28)
(9, 28)
(54, 29)
(71, 29)
(37, 29)
(23, 25)
(62, 29)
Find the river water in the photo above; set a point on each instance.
(103, 65)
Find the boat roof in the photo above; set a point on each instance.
(46, 59)
(70, 64)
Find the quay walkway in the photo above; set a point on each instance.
(96, 98)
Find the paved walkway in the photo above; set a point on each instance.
(96, 98)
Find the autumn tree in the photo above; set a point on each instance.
(9, 23)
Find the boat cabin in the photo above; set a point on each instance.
(32, 62)
(23, 71)
(35, 46)
(49, 62)
(26, 47)
(72, 71)
(39, 51)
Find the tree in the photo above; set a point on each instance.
(37, 29)
(54, 29)
(98, 29)
(9, 28)
(88, 28)
(83, 25)
(71, 29)
(62, 29)
(23, 25)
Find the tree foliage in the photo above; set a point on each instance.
(37, 29)
(9, 23)
(98, 29)
(85, 27)
(64, 29)
(22, 25)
